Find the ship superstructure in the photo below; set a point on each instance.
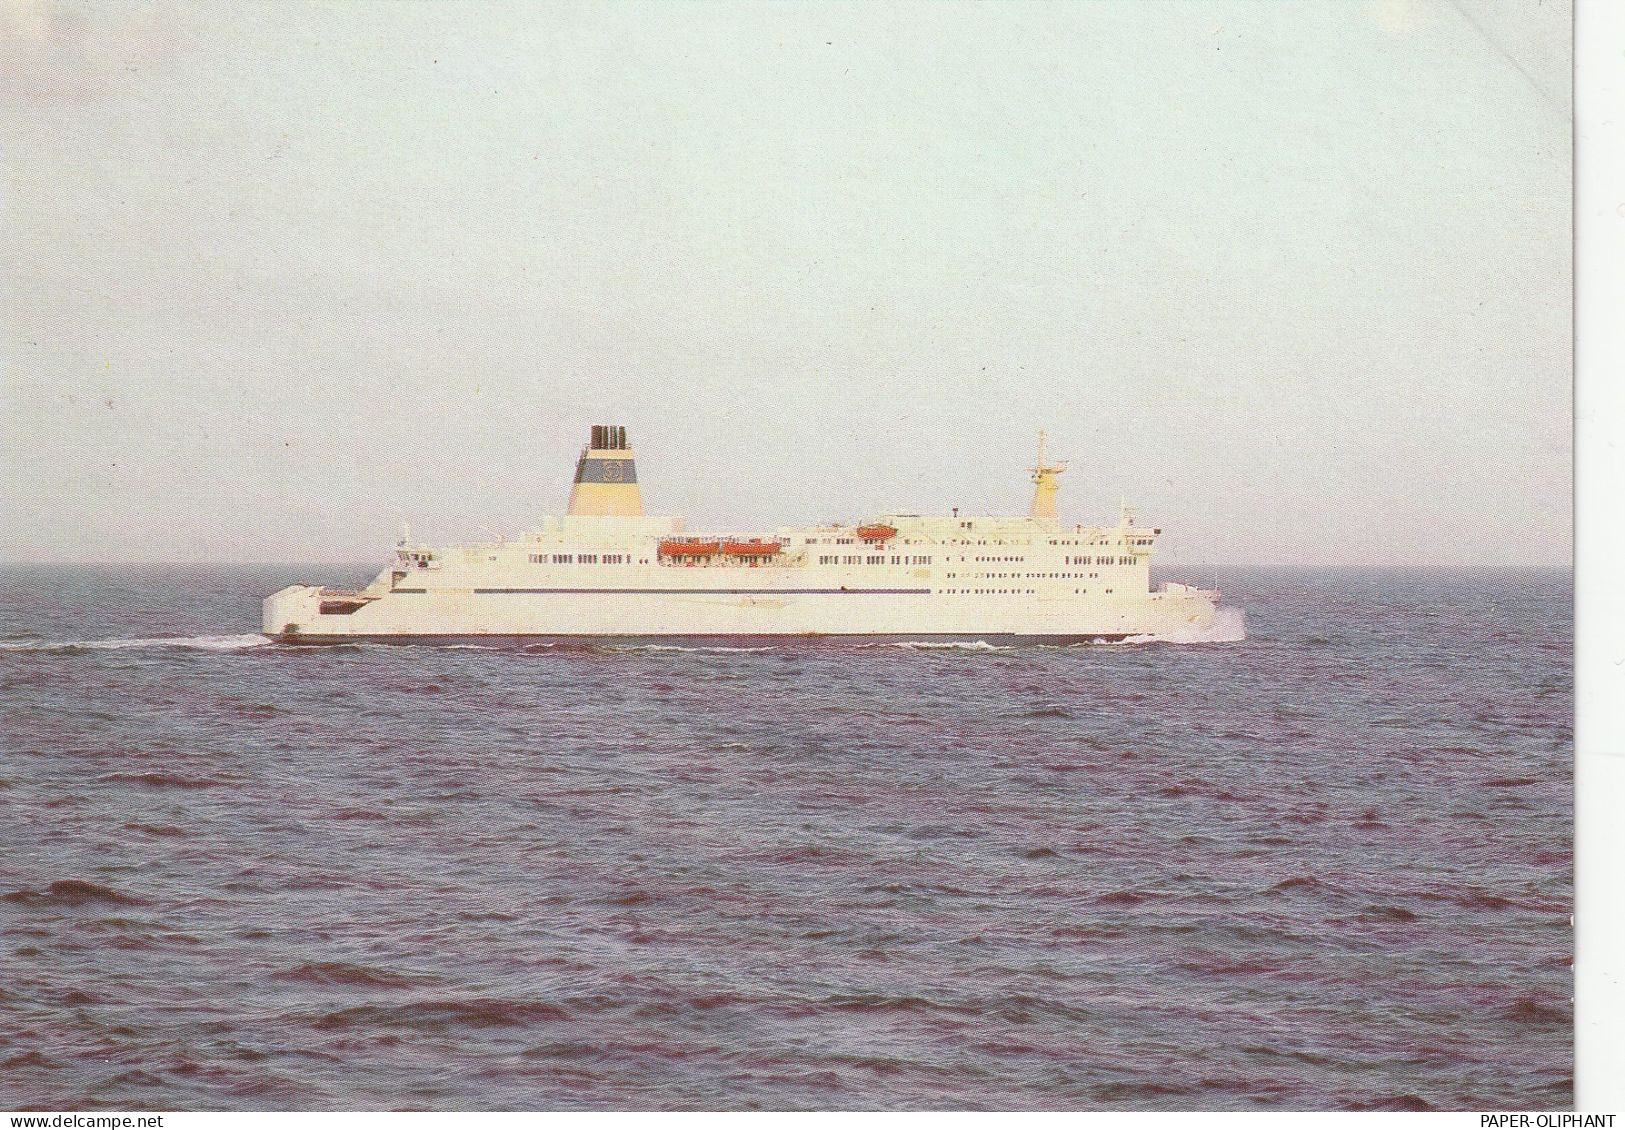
(606, 570)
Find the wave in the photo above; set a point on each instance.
(1132, 1093)
(203, 643)
(161, 830)
(344, 973)
(1527, 1010)
(1389, 913)
(890, 1002)
(1480, 900)
(359, 814)
(1120, 898)
(71, 892)
(938, 645)
(675, 647)
(1394, 1102)
(162, 780)
(1229, 626)
(438, 1014)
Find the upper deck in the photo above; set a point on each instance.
(606, 544)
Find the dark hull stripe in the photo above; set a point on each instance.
(700, 592)
(503, 639)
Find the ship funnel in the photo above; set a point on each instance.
(606, 482)
(1045, 488)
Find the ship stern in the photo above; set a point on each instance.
(289, 611)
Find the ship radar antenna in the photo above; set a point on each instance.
(1044, 485)
(1125, 511)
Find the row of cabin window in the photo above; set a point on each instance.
(1102, 541)
(967, 541)
(1005, 592)
(1069, 560)
(581, 559)
(962, 541)
(842, 541)
(1030, 576)
(873, 559)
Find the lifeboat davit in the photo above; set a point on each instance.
(751, 548)
(689, 548)
(877, 532)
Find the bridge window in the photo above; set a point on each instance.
(562, 559)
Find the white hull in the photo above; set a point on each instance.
(294, 613)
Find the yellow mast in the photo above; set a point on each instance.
(1045, 487)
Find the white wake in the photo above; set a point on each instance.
(718, 648)
(938, 645)
(205, 643)
(1229, 626)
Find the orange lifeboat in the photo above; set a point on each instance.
(751, 548)
(673, 548)
(877, 532)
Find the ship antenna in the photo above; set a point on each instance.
(1044, 485)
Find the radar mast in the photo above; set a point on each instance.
(1045, 487)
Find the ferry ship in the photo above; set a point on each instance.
(605, 570)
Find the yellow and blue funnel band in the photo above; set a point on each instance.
(606, 482)
(606, 467)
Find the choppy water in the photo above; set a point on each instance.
(1327, 867)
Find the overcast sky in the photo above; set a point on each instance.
(1292, 277)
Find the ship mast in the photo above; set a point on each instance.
(1045, 487)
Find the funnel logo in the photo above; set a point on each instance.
(613, 470)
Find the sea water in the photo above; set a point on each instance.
(1324, 866)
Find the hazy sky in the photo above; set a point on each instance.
(1292, 276)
